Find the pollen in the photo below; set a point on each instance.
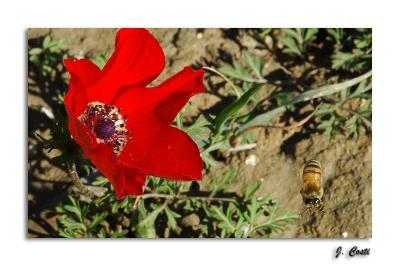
(107, 124)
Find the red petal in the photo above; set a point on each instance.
(85, 70)
(83, 75)
(126, 181)
(134, 182)
(82, 134)
(151, 109)
(137, 60)
(176, 92)
(171, 154)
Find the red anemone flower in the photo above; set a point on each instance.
(122, 125)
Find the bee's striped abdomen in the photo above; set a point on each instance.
(312, 176)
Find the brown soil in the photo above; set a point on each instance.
(279, 155)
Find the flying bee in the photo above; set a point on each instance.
(312, 190)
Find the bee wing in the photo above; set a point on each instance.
(299, 180)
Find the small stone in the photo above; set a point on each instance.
(47, 112)
(269, 42)
(251, 160)
(192, 220)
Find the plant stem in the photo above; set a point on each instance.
(137, 200)
(225, 78)
(184, 197)
(78, 184)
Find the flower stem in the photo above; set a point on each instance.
(184, 197)
(78, 184)
(225, 78)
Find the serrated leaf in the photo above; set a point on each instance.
(171, 215)
(66, 234)
(255, 63)
(97, 219)
(291, 32)
(150, 219)
(73, 209)
(291, 46)
(352, 125)
(310, 35)
(237, 71)
(251, 190)
(71, 224)
(222, 184)
(198, 127)
(225, 220)
(325, 109)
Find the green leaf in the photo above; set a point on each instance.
(311, 35)
(208, 160)
(226, 220)
(264, 119)
(291, 32)
(255, 63)
(46, 69)
(238, 71)
(46, 41)
(71, 224)
(66, 234)
(100, 181)
(329, 89)
(222, 184)
(119, 234)
(292, 47)
(97, 219)
(251, 190)
(60, 209)
(366, 122)
(234, 108)
(326, 109)
(265, 32)
(35, 51)
(199, 130)
(73, 209)
(101, 233)
(337, 34)
(171, 215)
(282, 98)
(352, 125)
(148, 221)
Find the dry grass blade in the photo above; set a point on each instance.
(225, 78)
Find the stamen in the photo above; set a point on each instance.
(106, 122)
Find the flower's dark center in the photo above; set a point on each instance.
(107, 124)
(104, 128)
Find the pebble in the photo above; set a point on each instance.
(251, 160)
(47, 112)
